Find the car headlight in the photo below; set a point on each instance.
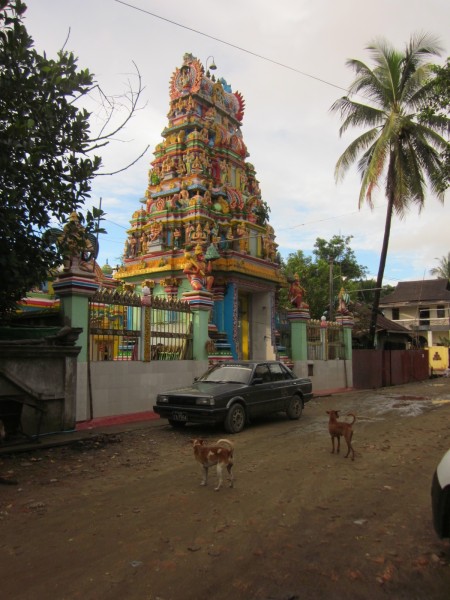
(208, 401)
(163, 400)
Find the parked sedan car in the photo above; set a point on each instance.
(440, 497)
(234, 392)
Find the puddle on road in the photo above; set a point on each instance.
(372, 408)
(403, 405)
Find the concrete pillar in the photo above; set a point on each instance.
(201, 303)
(298, 319)
(347, 322)
(75, 291)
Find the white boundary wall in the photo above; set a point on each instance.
(124, 387)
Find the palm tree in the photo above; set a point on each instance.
(442, 271)
(397, 146)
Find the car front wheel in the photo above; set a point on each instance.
(294, 408)
(235, 419)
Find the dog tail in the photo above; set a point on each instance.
(226, 443)
(351, 415)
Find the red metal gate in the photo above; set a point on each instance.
(382, 368)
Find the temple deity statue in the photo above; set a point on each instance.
(143, 243)
(296, 292)
(78, 248)
(196, 164)
(223, 172)
(198, 270)
(207, 198)
(184, 196)
(188, 231)
(242, 233)
(187, 159)
(133, 246)
(155, 232)
(343, 300)
(196, 200)
(181, 168)
(176, 237)
(198, 236)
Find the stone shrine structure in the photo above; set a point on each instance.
(202, 233)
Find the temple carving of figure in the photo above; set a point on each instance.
(296, 292)
(79, 248)
(198, 270)
(343, 300)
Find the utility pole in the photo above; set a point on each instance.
(331, 311)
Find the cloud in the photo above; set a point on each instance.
(292, 137)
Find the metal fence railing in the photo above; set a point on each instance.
(335, 342)
(168, 330)
(325, 343)
(114, 325)
(121, 328)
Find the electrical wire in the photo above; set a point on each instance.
(240, 48)
(257, 55)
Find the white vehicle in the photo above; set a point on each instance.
(440, 497)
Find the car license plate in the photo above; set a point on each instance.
(179, 416)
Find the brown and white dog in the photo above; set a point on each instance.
(219, 455)
(338, 428)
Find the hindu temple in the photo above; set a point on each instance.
(202, 233)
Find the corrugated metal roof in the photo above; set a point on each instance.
(384, 324)
(429, 290)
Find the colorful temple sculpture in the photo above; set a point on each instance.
(202, 233)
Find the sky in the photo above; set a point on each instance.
(288, 60)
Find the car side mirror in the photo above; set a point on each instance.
(257, 380)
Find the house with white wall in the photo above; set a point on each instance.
(422, 307)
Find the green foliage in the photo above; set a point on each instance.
(262, 211)
(400, 145)
(442, 271)
(443, 341)
(314, 272)
(438, 100)
(437, 106)
(364, 292)
(45, 169)
(338, 250)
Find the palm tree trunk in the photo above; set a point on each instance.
(383, 256)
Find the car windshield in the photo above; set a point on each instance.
(228, 374)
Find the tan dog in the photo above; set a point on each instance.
(219, 455)
(338, 428)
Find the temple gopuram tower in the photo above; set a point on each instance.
(202, 230)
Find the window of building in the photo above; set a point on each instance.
(424, 316)
(440, 311)
(395, 314)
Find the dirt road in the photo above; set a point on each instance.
(122, 515)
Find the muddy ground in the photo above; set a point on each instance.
(121, 514)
